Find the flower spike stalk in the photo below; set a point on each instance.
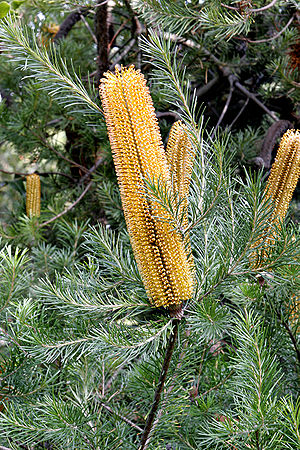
(33, 195)
(138, 153)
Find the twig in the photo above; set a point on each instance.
(257, 439)
(200, 367)
(123, 54)
(206, 87)
(260, 41)
(160, 385)
(101, 33)
(117, 34)
(67, 25)
(91, 170)
(256, 100)
(42, 174)
(68, 208)
(239, 113)
(276, 130)
(121, 417)
(160, 412)
(230, 79)
(47, 145)
(160, 114)
(88, 28)
(292, 337)
(136, 31)
(224, 69)
(264, 8)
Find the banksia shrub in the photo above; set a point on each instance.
(33, 195)
(138, 154)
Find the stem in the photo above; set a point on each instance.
(160, 385)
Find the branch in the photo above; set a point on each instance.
(68, 208)
(274, 132)
(260, 41)
(47, 145)
(91, 170)
(42, 174)
(240, 113)
(289, 331)
(160, 385)
(224, 69)
(264, 8)
(101, 32)
(69, 23)
(231, 80)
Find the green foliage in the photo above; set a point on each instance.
(4, 9)
(81, 347)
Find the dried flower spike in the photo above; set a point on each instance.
(285, 172)
(33, 195)
(138, 153)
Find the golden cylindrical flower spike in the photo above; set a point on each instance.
(138, 153)
(33, 195)
(285, 172)
(282, 182)
(181, 155)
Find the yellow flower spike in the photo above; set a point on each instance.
(285, 172)
(138, 153)
(282, 182)
(180, 155)
(33, 195)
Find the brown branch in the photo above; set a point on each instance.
(239, 113)
(264, 8)
(91, 170)
(206, 87)
(42, 174)
(290, 333)
(225, 70)
(256, 100)
(67, 25)
(260, 41)
(160, 385)
(231, 80)
(47, 145)
(275, 131)
(135, 33)
(68, 208)
(101, 33)
(160, 114)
